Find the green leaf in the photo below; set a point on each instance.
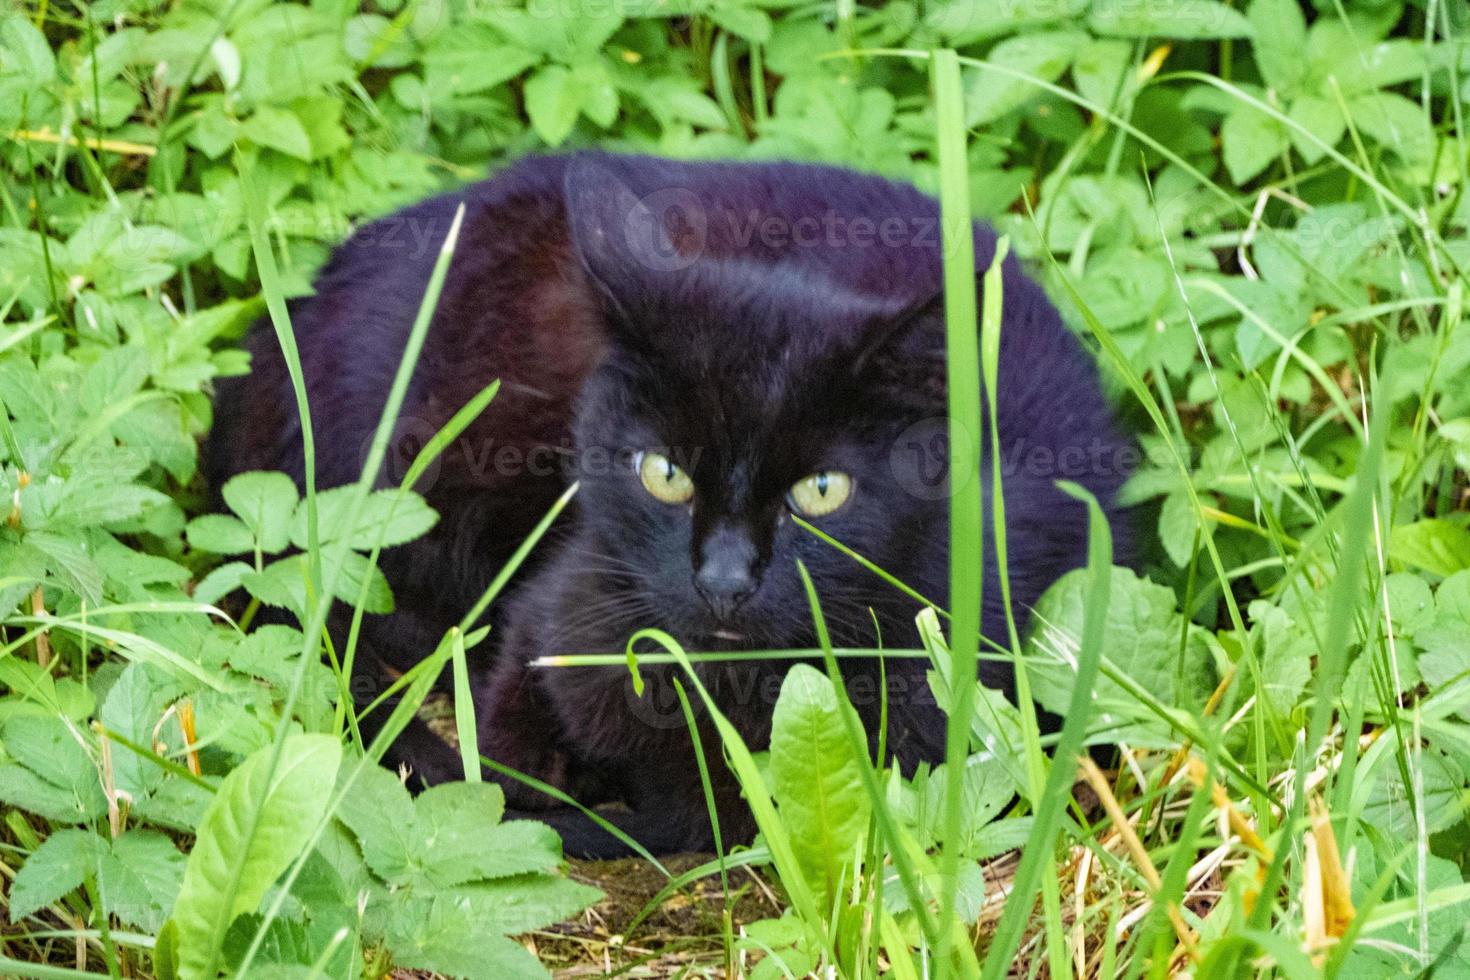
(222, 581)
(1180, 19)
(266, 503)
(386, 517)
(963, 22)
(279, 130)
(450, 835)
(1177, 527)
(140, 876)
(1395, 123)
(25, 53)
(63, 777)
(816, 783)
(554, 98)
(1140, 638)
(1099, 69)
(1250, 141)
(58, 866)
(1322, 118)
(355, 570)
(990, 94)
(1435, 545)
(253, 830)
(1280, 32)
(751, 23)
(220, 534)
(133, 708)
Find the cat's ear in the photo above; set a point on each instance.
(623, 240)
(919, 322)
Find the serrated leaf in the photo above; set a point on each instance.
(1280, 37)
(816, 782)
(221, 582)
(220, 534)
(98, 504)
(380, 813)
(991, 94)
(1177, 527)
(387, 517)
(141, 873)
(48, 748)
(348, 585)
(278, 129)
(266, 502)
(1140, 637)
(1435, 545)
(135, 704)
(56, 867)
(1322, 118)
(255, 827)
(67, 559)
(554, 97)
(1250, 140)
(24, 52)
(1191, 19)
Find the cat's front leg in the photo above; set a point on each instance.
(519, 730)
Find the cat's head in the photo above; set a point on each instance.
(738, 395)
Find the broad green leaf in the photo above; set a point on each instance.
(816, 784)
(134, 707)
(386, 517)
(1322, 118)
(253, 830)
(141, 873)
(450, 835)
(1168, 19)
(62, 776)
(1177, 527)
(266, 503)
(1396, 123)
(1280, 35)
(554, 97)
(25, 53)
(1436, 545)
(220, 534)
(355, 569)
(1140, 638)
(748, 22)
(278, 129)
(1250, 141)
(1099, 68)
(56, 867)
(990, 94)
(963, 22)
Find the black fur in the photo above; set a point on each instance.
(756, 323)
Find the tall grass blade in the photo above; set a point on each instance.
(966, 543)
(1050, 807)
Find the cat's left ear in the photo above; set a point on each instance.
(624, 241)
(903, 326)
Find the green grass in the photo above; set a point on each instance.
(1259, 225)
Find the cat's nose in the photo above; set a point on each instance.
(726, 574)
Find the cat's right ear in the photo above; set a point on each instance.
(622, 241)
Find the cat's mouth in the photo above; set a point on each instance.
(729, 635)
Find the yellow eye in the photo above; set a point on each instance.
(663, 479)
(821, 493)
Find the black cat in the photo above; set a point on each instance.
(709, 349)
